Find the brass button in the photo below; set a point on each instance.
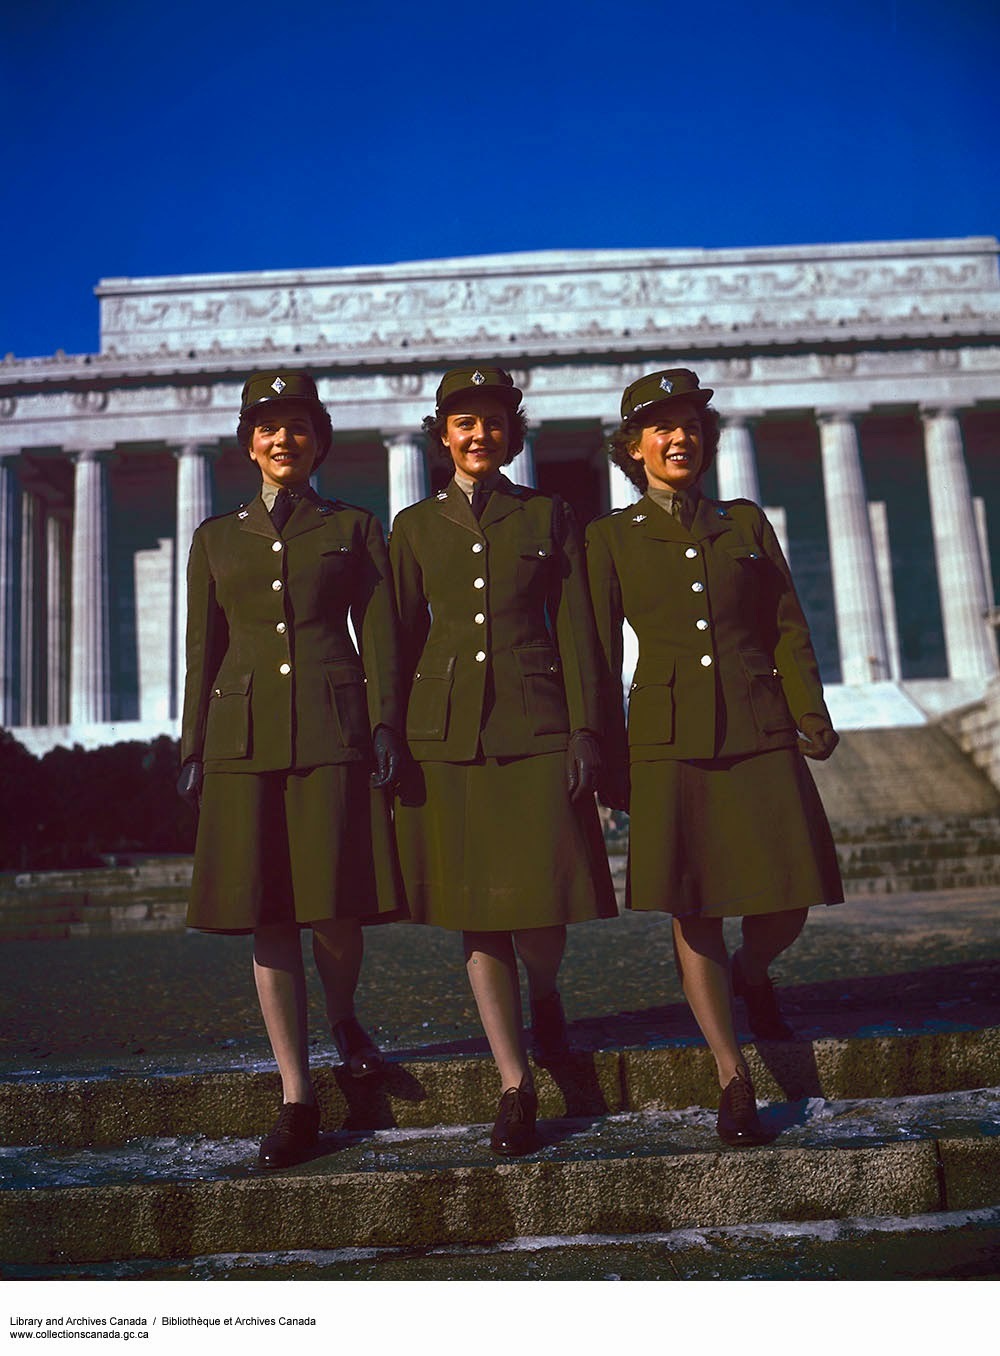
(480, 656)
(479, 618)
(277, 586)
(479, 583)
(281, 628)
(284, 668)
(706, 660)
(697, 587)
(477, 547)
(276, 546)
(690, 553)
(701, 624)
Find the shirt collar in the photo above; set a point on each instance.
(466, 484)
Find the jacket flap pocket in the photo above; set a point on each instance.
(663, 677)
(539, 549)
(441, 669)
(758, 664)
(237, 686)
(535, 659)
(342, 671)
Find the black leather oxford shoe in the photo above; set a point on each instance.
(356, 1048)
(293, 1138)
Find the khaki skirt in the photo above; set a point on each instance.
(496, 845)
(293, 847)
(729, 837)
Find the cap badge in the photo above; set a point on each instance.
(477, 378)
(277, 386)
(666, 385)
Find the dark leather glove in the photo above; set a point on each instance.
(389, 750)
(189, 782)
(583, 764)
(820, 738)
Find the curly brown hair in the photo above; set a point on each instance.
(435, 426)
(626, 437)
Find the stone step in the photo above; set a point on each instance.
(625, 1173)
(959, 875)
(418, 1092)
(945, 1245)
(888, 856)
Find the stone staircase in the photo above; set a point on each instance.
(150, 1174)
(884, 856)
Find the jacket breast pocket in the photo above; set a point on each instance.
(336, 557)
(227, 729)
(535, 558)
(651, 712)
(348, 704)
(767, 696)
(542, 689)
(430, 700)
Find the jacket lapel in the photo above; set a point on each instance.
(306, 517)
(453, 505)
(504, 501)
(254, 517)
(711, 519)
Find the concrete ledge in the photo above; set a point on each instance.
(476, 1204)
(416, 1093)
(642, 1172)
(939, 1246)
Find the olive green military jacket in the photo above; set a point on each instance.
(274, 680)
(726, 666)
(497, 634)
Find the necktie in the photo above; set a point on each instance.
(281, 509)
(681, 510)
(479, 498)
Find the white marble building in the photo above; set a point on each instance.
(859, 387)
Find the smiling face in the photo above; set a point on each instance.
(477, 435)
(284, 445)
(670, 446)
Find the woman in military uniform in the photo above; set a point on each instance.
(725, 819)
(497, 825)
(277, 739)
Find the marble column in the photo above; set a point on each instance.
(522, 469)
(407, 472)
(621, 492)
(32, 668)
(90, 676)
(968, 637)
(194, 505)
(8, 598)
(879, 519)
(57, 619)
(736, 463)
(864, 655)
(983, 533)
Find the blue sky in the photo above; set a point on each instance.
(189, 138)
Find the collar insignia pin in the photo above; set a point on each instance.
(477, 378)
(666, 385)
(242, 513)
(277, 386)
(442, 495)
(639, 518)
